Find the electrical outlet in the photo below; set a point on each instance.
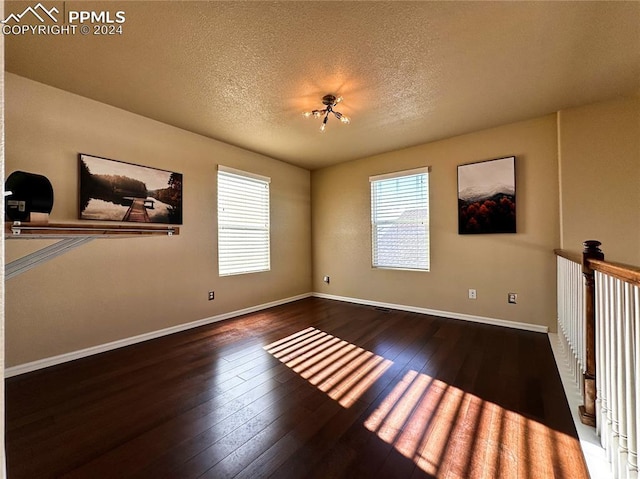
(473, 294)
(326, 279)
(512, 298)
(211, 295)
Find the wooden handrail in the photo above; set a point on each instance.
(624, 272)
(575, 257)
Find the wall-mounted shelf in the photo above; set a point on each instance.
(70, 236)
(21, 229)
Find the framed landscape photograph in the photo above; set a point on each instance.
(118, 191)
(487, 197)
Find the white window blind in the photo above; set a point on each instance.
(243, 222)
(400, 220)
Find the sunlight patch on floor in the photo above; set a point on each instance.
(433, 423)
(340, 369)
(427, 420)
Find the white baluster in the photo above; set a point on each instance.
(601, 372)
(609, 378)
(615, 377)
(630, 400)
(634, 423)
(621, 386)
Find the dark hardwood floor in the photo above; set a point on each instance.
(311, 389)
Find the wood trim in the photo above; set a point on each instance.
(624, 272)
(575, 257)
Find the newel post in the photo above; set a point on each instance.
(588, 410)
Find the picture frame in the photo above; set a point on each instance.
(487, 197)
(112, 190)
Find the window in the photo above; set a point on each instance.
(400, 220)
(243, 222)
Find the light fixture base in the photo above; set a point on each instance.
(329, 100)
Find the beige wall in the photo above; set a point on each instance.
(493, 264)
(113, 289)
(600, 178)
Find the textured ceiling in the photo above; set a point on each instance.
(409, 72)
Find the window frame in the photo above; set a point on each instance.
(376, 179)
(223, 225)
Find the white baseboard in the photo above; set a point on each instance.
(444, 314)
(101, 348)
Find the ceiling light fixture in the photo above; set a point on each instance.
(330, 101)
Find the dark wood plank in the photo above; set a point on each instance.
(314, 389)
